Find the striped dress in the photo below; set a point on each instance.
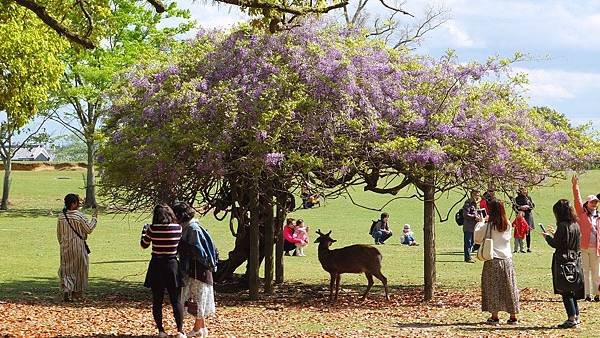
(74, 261)
(163, 270)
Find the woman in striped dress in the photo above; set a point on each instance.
(163, 271)
(72, 230)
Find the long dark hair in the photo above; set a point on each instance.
(564, 212)
(497, 217)
(163, 214)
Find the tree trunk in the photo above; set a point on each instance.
(254, 238)
(429, 239)
(90, 185)
(279, 236)
(6, 187)
(269, 242)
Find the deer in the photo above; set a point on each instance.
(357, 258)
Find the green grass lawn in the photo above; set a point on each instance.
(29, 267)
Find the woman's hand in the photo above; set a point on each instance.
(574, 180)
(549, 231)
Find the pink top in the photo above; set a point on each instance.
(301, 234)
(585, 221)
(288, 235)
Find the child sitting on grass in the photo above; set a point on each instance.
(408, 237)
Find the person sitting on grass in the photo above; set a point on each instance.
(408, 237)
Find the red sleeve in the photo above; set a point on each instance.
(288, 235)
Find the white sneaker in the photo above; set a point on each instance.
(163, 334)
(195, 333)
(181, 335)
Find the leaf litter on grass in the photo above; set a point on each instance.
(295, 310)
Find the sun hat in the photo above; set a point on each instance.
(591, 198)
(406, 226)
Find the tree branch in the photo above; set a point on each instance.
(51, 22)
(158, 5)
(395, 9)
(283, 8)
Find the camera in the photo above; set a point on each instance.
(481, 213)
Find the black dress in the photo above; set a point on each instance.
(566, 242)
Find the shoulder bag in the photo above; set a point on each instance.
(486, 250)
(87, 248)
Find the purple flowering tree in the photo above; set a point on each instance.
(239, 121)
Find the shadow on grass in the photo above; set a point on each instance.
(474, 326)
(44, 290)
(450, 253)
(28, 213)
(121, 262)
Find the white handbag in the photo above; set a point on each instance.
(486, 249)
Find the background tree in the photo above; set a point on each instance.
(131, 33)
(29, 69)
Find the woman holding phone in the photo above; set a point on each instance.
(499, 290)
(566, 241)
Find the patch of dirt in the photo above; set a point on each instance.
(39, 166)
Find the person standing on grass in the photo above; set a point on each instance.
(198, 259)
(469, 211)
(163, 271)
(499, 290)
(589, 224)
(523, 202)
(72, 230)
(520, 229)
(566, 241)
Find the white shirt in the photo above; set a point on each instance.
(501, 240)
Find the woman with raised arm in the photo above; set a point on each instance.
(566, 242)
(499, 290)
(588, 220)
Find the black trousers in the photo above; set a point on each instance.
(157, 303)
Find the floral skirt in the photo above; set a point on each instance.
(200, 293)
(499, 290)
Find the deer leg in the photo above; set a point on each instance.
(383, 280)
(331, 281)
(369, 285)
(337, 284)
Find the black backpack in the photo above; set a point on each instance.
(459, 218)
(372, 227)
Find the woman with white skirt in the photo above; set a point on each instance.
(198, 259)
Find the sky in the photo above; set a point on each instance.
(560, 38)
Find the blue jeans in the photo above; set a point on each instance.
(570, 303)
(381, 236)
(408, 240)
(468, 244)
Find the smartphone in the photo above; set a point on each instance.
(542, 227)
(482, 213)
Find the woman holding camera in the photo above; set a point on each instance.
(499, 290)
(566, 241)
(163, 271)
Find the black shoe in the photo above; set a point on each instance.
(528, 250)
(588, 299)
(597, 298)
(568, 324)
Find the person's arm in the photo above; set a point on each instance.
(559, 238)
(58, 234)
(84, 225)
(288, 235)
(578, 204)
(146, 238)
(480, 230)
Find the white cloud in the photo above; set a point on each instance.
(458, 36)
(556, 84)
